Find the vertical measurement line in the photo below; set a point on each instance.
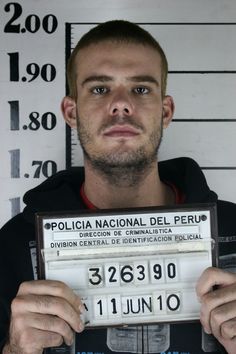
(15, 206)
(75, 148)
(68, 129)
(15, 163)
(14, 66)
(14, 115)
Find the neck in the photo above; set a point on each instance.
(148, 191)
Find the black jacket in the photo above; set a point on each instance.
(62, 192)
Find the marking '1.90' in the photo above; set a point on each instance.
(47, 72)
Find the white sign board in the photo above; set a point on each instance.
(132, 266)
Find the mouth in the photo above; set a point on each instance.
(118, 131)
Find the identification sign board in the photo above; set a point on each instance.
(130, 266)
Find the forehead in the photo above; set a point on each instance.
(118, 57)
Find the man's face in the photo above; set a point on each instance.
(119, 103)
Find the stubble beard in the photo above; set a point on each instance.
(126, 168)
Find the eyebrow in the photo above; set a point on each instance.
(144, 78)
(94, 78)
(106, 78)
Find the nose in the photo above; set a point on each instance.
(121, 104)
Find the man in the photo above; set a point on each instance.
(117, 77)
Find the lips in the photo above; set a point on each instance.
(121, 131)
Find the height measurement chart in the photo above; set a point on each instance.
(129, 267)
(30, 101)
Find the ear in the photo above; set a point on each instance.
(168, 110)
(68, 108)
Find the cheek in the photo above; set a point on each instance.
(149, 107)
(88, 120)
(152, 116)
(90, 108)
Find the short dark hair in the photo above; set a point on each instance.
(118, 31)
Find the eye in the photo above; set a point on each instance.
(99, 90)
(141, 90)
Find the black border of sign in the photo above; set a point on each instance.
(41, 216)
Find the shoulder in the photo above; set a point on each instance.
(16, 228)
(226, 213)
(226, 209)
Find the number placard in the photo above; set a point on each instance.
(132, 266)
